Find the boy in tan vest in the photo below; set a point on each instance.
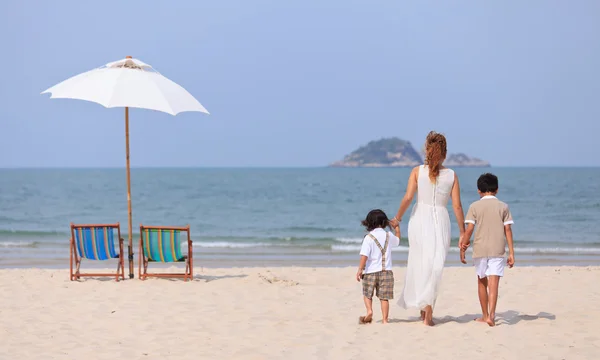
(491, 220)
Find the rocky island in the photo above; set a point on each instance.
(395, 152)
(462, 160)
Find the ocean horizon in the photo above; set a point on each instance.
(276, 167)
(275, 216)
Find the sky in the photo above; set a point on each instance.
(301, 83)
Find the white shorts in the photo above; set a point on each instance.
(485, 267)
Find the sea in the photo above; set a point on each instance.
(244, 217)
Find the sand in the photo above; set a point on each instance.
(293, 313)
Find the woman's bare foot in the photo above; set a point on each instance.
(385, 321)
(491, 321)
(481, 320)
(428, 319)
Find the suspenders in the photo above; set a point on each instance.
(383, 249)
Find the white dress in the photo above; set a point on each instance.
(428, 239)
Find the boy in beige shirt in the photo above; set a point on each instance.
(491, 220)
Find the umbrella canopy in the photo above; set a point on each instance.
(127, 83)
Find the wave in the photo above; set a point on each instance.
(518, 250)
(31, 233)
(224, 244)
(284, 237)
(19, 244)
(42, 239)
(346, 240)
(341, 246)
(356, 248)
(314, 229)
(556, 251)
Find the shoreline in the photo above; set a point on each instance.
(244, 261)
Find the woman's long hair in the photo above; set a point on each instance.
(435, 153)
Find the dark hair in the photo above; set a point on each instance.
(435, 153)
(376, 219)
(487, 183)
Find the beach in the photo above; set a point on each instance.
(275, 253)
(544, 312)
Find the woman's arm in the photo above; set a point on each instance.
(411, 188)
(457, 206)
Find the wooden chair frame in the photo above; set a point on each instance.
(76, 259)
(143, 261)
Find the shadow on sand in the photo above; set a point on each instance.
(204, 278)
(98, 278)
(406, 321)
(197, 278)
(510, 317)
(207, 278)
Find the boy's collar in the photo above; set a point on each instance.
(488, 197)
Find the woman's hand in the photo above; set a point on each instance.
(394, 223)
(462, 243)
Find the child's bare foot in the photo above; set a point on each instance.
(490, 321)
(483, 320)
(422, 315)
(365, 319)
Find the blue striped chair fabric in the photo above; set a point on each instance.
(96, 243)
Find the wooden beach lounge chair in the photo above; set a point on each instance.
(96, 242)
(163, 244)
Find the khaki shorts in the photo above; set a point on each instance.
(382, 282)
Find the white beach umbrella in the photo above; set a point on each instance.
(127, 83)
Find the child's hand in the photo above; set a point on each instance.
(397, 232)
(358, 275)
(510, 261)
(463, 245)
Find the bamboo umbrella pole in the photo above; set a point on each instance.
(128, 193)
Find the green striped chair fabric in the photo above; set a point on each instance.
(162, 245)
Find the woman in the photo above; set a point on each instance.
(429, 226)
